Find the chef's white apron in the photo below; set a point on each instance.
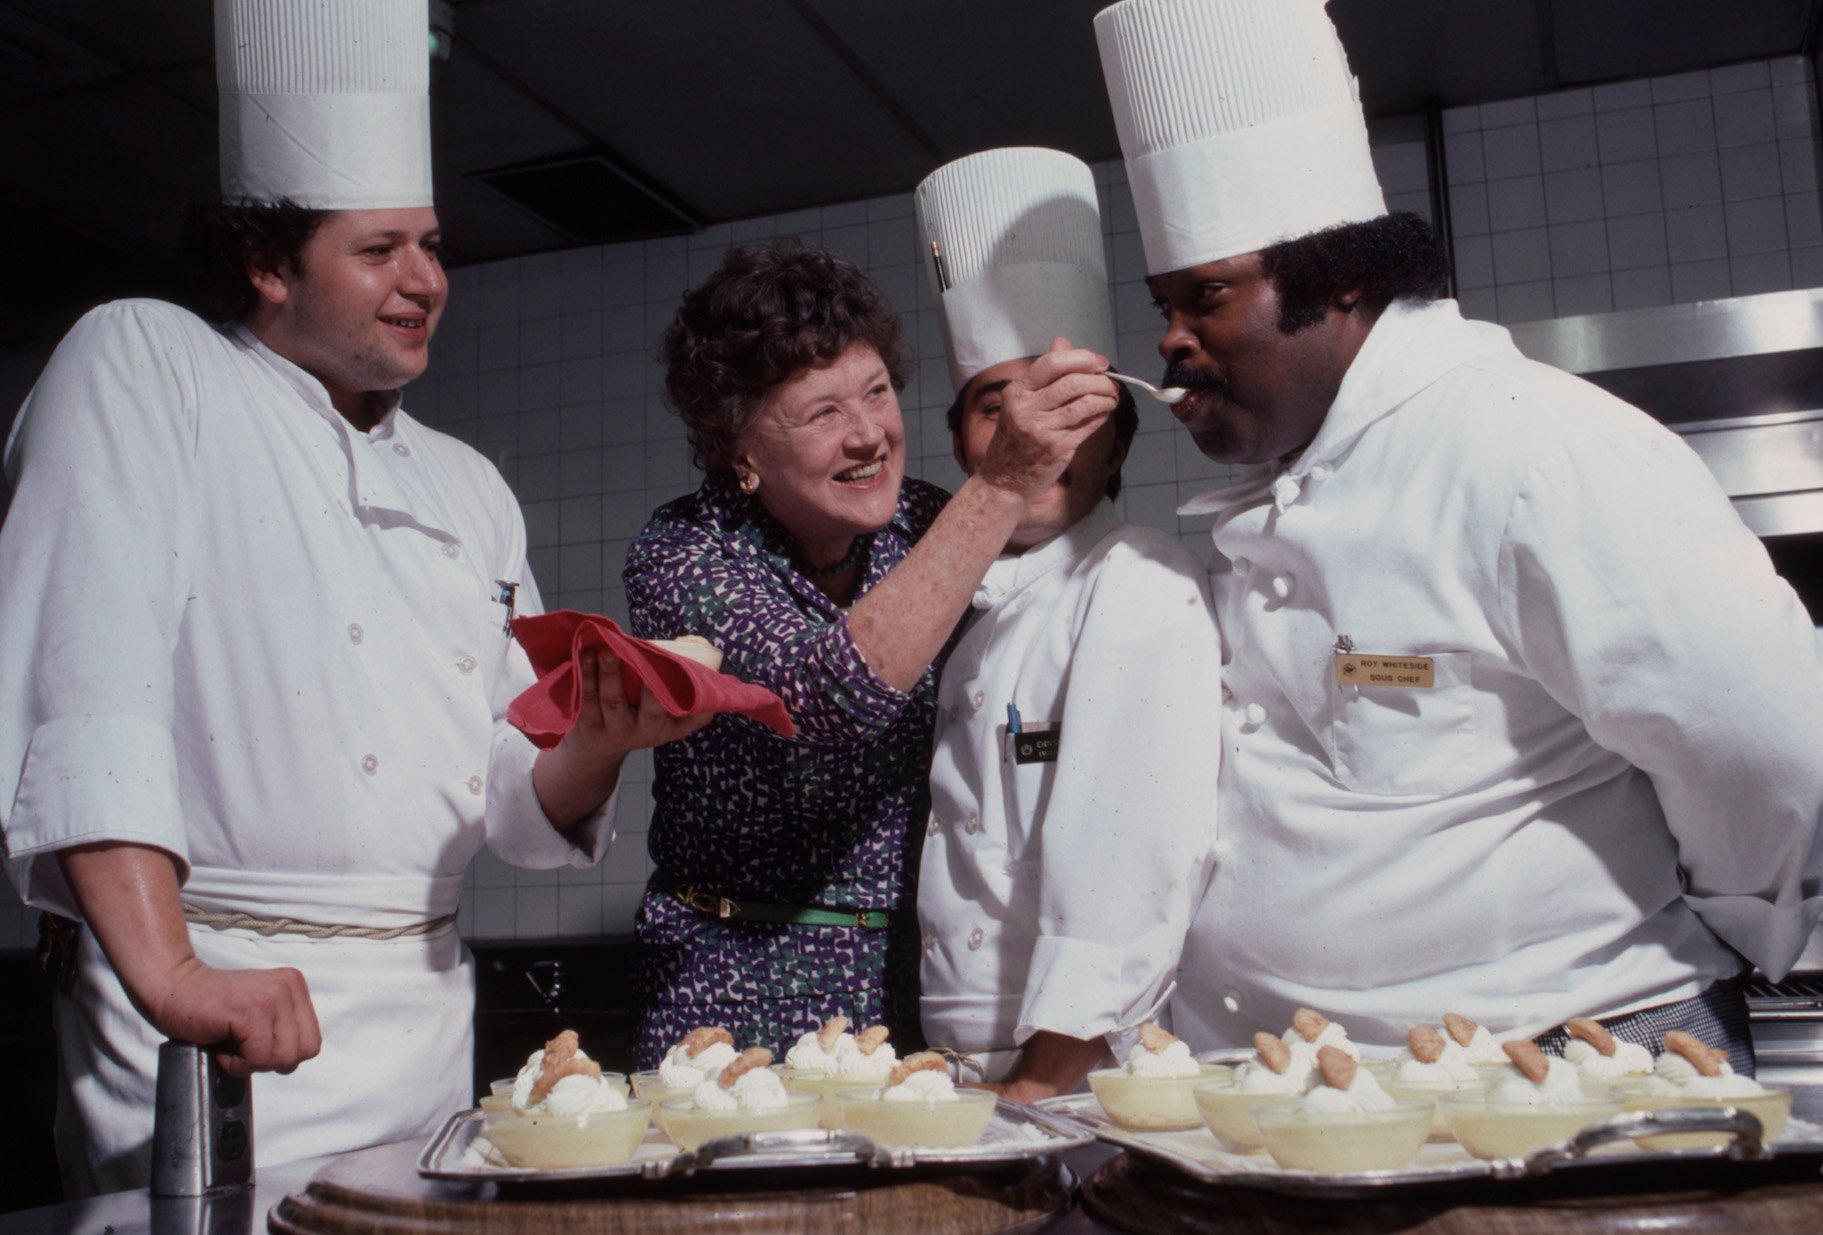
(390, 1069)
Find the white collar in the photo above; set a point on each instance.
(1410, 346)
(1012, 571)
(312, 390)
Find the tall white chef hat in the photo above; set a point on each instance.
(1240, 123)
(1013, 247)
(324, 102)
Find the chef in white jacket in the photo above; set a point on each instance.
(253, 669)
(1523, 725)
(1074, 777)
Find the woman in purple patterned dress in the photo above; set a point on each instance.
(781, 895)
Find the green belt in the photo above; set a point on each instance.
(760, 911)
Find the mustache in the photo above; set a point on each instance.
(1198, 380)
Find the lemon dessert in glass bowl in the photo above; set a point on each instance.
(1345, 1123)
(828, 1060)
(918, 1104)
(1603, 1060)
(568, 1114)
(1152, 1091)
(1276, 1073)
(1431, 1066)
(745, 1096)
(501, 1093)
(1478, 1045)
(699, 1057)
(1541, 1103)
(1692, 1073)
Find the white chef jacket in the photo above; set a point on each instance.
(1055, 896)
(1615, 776)
(236, 629)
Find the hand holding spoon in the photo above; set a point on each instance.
(1170, 394)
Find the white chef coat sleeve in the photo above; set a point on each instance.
(1643, 605)
(1125, 834)
(518, 831)
(95, 561)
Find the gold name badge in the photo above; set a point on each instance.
(1357, 669)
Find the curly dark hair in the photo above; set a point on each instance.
(768, 313)
(1126, 423)
(221, 241)
(1393, 257)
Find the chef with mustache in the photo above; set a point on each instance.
(1520, 723)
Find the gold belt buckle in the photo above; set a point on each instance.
(702, 902)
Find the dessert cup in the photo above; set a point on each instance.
(651, 1087)
(826, 1087)
(1771, 1108)
(560, 1142)
(1414, 1091)
(938, 1124)
(499, 1096)
(1152, 1103)
(1228, 1113)
(1513, 1129)
(689, 1127)
(1337, 1142)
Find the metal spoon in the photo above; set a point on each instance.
(1170, 394)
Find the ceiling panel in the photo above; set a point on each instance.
(1459, 51)
(978, 75)
(738, 109)
(1638, 38)
(36, 60)
(130, 33)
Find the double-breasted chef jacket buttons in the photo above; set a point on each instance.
(467, 664)
(1254, 714)
(475, 785)
(1282, 585)
(451, 549)
(370, 764)
(355, 633)
(401, 449)
(976, 938)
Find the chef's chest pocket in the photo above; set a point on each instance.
(1408, 740)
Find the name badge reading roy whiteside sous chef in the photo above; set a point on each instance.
(1366, 669)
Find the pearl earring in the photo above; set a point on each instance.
(750, 482)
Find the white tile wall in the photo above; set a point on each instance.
(1630, 194)
(1688, 187)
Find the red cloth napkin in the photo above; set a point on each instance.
(555, 642)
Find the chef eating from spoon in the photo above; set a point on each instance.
(1063, 856)
(1523, 726)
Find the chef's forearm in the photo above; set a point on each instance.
(1052, 1063)
(128, 895)
(902, 623)
(570, 788)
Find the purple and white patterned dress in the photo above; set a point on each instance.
(833, 817)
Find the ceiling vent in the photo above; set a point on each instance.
(589, 199)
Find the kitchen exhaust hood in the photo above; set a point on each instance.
(1741, 380)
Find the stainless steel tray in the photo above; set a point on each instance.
(460, 1151)
(1601, 1146)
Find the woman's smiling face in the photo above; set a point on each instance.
(828, 450)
